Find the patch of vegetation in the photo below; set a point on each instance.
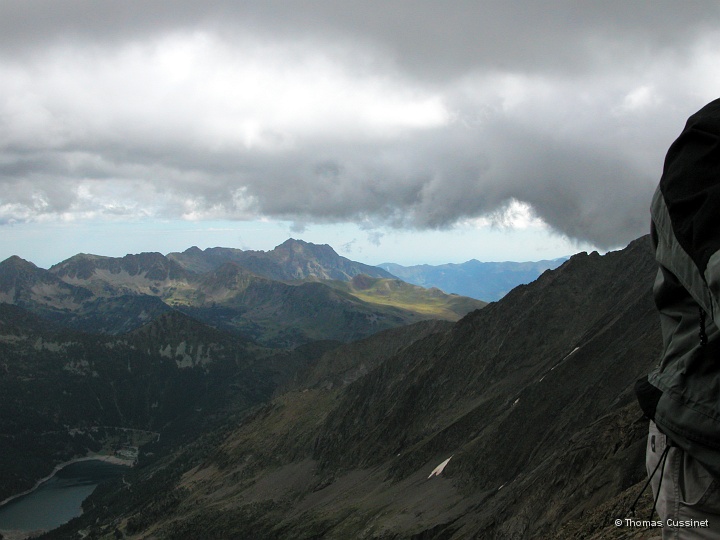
(396, 293)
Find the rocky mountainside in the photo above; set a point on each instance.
(24, 284)
(146, 273)
(76, 306)
(63, 393)
(518, 421)
(290, 261)
(488, 281)
(282, 315)
(281, 298)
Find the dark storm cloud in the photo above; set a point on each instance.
(434, 180)
(415, 114)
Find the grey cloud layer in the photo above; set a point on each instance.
(432, 37)
(567, 107)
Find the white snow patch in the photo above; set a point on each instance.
(437, 471)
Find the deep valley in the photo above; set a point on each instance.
(296, 395)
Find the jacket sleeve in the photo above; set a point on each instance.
(686, 209)
(679, 316)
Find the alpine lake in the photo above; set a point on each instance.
(56, 500)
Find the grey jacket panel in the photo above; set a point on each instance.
(671, 255)
(686, 237)
(689, 373)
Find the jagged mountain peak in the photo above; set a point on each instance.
(24, 284)
(17, 263)
(292, 260)
(301, 246)
(151, 265)
(17, 273)
(83, 256)
(80, 266)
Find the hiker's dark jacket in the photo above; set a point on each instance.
(684, 396)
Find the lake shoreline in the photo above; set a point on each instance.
(11, 534)
(97, 457)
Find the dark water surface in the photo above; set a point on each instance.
(57, 500)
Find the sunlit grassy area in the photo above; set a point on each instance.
(392, 292)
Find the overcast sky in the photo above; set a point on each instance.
(403, 131)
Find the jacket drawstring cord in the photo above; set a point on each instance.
(661, 461)
(703, 335)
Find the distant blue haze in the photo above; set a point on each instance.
(488, 281)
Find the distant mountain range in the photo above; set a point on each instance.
(281, 298)
(488, 281)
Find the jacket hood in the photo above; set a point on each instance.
(690, 185)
